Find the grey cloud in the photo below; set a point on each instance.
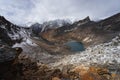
(23, 11)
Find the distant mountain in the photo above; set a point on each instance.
(86, 31)
(75, 25)
(37, 28)
(56, 24)
(109, 24)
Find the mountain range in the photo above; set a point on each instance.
(26, 53)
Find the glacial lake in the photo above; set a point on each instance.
(75, 46)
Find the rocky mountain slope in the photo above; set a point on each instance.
(10, 33)
(85, 31)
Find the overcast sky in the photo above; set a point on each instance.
(25, 11)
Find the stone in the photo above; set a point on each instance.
(8, 60)
(56, 78)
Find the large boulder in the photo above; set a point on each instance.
(8, 56)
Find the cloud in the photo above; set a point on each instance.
(15, 10)
(24, 11)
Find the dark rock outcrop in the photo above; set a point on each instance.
(36, 28)
(111, 24)
(8, 56)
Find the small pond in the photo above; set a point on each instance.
(75, 46)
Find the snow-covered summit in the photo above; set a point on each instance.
(37, 28)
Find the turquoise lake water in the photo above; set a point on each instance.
(75, 46)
